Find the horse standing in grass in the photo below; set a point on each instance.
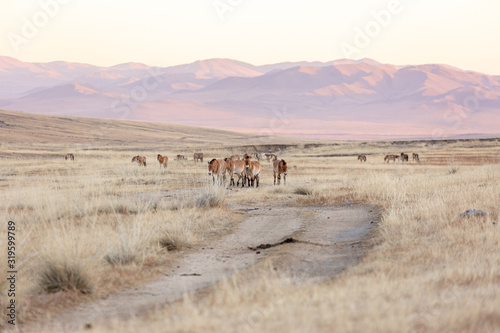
(280, 167)
(235, 167)
(362, 158)
(141, 160)
(271, 157)
(404, 157)
(180, 157)
(252, 172)
(163, 160)
(217, 168)
(388, 158)
(198, 156)
(416, 157)
(69, 156)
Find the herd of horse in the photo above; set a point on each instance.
(402, 157)
(246, 169)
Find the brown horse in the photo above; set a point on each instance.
(141, 160)
(180, 157)
(252, 172)
(280, 167)
(271, 157)
(416, 157)
(388, 158)
(69, 156)
(163, 160)
(403, 157)
(362, 158)
(235, 167)
(217, 168)
(198, 156)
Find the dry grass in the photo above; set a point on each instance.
(429, 269)
(98, 224)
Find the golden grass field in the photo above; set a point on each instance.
(89, 227)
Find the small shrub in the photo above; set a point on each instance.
(302, 190)
(61, 276)
(169, 243)
(120, 258)
(210, 199)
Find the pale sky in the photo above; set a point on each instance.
(461, 33)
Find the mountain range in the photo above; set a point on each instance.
(342, 99)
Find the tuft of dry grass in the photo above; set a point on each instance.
(207, 197)
(58, 276)
(303, 190)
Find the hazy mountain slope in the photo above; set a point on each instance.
(362, 97)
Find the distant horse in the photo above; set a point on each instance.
(235, 167)
(280, 167)
(271, 157)
(416, 157)
(180, 157)
(388, 158)
(404, 157)
(69, 156)
(252, 172)
(198, 156)
(163, 160)
(141, 160)
(217, 168)
(362, 158)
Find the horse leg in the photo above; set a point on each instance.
(257, 180)
(275, 178)
(284, 179)
(279, 178)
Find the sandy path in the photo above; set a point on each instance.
(329, 240)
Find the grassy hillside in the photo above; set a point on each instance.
(19, 127)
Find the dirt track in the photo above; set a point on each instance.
(326, 241)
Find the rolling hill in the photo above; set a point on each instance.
(31, 129)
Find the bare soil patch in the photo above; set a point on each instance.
(326, 240)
